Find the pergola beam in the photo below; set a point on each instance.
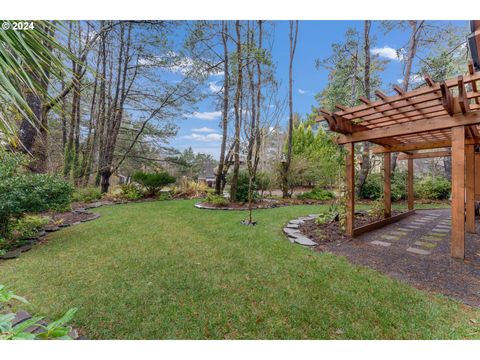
(457, 246)
(425, 155)
(419, 146)
(470, 188)
(387, 189)
(413, 127)
(410, 193)
(350, 182)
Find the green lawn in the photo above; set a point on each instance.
(168, 270)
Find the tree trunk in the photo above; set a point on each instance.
(286, 164)
(415, 26)
(365, 167)
(238, 116)
(226, 88)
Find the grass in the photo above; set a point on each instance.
(162, 270)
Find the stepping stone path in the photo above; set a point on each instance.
(293, 233)
(390, 237)
(419, 234)
(418, 251)
(381, 243)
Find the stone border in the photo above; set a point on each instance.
(295, 235)
(200, 205)
(29, 242)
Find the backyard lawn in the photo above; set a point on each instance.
(166, 270)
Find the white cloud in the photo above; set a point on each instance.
(214, 87)
(387, 52)
(414, 79)
(204, 130)
(205, 138)
(207, 115)
(301, 91)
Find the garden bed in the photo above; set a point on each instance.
(56, 222)
(262, 204)
(332, 231)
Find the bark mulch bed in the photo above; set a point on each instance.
(57, 221)
(332, 232)
(436, 272)
(261, 204)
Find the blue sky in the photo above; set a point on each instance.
(202, 131)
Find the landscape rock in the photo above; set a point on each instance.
(303, 240)
(292, 232)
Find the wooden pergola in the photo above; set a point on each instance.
(434, 116)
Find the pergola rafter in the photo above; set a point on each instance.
(434, 116)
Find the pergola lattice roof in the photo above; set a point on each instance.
(418, 119)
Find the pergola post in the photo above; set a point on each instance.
(470, 188)
(350, 180)
(410, 184)
(387, 190)
(457, 246)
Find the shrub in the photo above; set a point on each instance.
(242, 187)
(10, 162)
(335, 212)
(29, 226)
(433, 188)
(216, 200)
(153, 182)
(373, 187)
(317, 194)
(164, 195)
(31, 193)
(55, 330)
(190, 189)
(377, 209)
(22, 229)
(130, 192)
(86, 195)
(264, 181)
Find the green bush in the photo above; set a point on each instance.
(131, 192)
(431, 188)
(20, 194)
(242, 187)
(11, 162)
(264, 181)
(86, 195)
(29, 226)
(164, 195)
(22, 229)
(216, 200)
(153, 182)
(373, 187)
(57, 329)
(317, 194)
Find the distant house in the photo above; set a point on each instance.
(207, 175)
